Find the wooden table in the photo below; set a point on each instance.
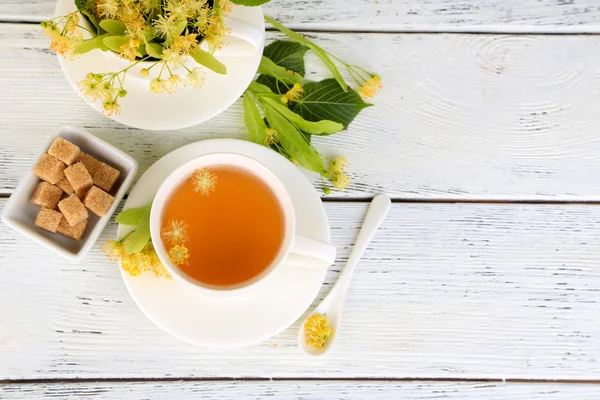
(484, 282)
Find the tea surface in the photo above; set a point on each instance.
(233, 232)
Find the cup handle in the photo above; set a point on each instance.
(244, 39)
(308, 252)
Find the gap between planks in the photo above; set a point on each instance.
(435, 201)
(313, 379)
(492, 30)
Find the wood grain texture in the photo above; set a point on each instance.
(444, 291)
(493, 118)
(581, 16)
(305, 390)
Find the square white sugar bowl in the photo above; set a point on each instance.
(20, 214)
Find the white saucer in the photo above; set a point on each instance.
(189, 106)
(249, 318)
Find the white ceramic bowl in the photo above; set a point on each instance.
(20, 214)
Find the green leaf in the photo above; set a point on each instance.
(289, 55)
(322, 54)
(132, 216)
(140, 237)
(91, 44)
(254, 121)
(179, 28)
(91, 18)
(327, 100)
(208, 60)
(115, 42)
(313, 127)
(268, 67)
(250, 3)
(154, 49)
(293, 142)
(113, 26)
(262, 91)
(278, 87)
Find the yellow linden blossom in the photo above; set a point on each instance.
(185, 43)
(195, 78)
(225, 6)
(135, 264)
(204, 181)
(50, 29)
(163, 26)
(336, 173)
(108, 8)
(179, 254)
(371, 87)
(216, 31)
(175, 232)
(271, 136)
(294, 94)
(112, 108)
(179, 9)
(316, 331)
(202, 19)
(129, 50)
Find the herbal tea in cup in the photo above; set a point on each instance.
(224, 222)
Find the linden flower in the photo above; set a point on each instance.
(216, 31)
(271, 137)
(204, 181)
(185, 43)
(294, 94)
(112, 108)
(113, 250)
(50, 29)
(371, 87)
(195, 78)
(179, 255)
(163, 26)
(225, 6)
(316, 331)
(108, 8)
(174, 56)
(179, 9)
(129, 50)
(202, 19)
(91, 88)
(175, 232)
(336, 173)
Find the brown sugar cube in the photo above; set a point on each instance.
(49, 169)
(79, 178)
(64, 150)
(106, 177)
(48, 219)
(46, 195)
(98, 201)
(74, 232)
(91, 164)
(73, 210)
(65, 186)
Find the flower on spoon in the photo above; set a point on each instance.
(316, 331)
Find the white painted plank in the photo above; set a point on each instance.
(444, 291)
(459, 117)
(399, 15)
(305, 390)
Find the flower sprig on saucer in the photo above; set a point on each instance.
(284, 112)
(166, 34)
(135, 250)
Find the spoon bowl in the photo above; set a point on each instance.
(332, 304)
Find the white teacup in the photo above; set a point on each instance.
(295, 250)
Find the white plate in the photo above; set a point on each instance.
(189, 106)
(249, 318)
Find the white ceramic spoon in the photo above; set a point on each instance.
(331, 305)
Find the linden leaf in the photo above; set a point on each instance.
(293, 141)
(208, 60)
(113, 26)
(154, 49)
(323, 127)
(327, 100)
(132, 216)
(289, 55)
(250, 3)
(322, 54)
(141, 235)
(268, 67)
(115, 42)
(91, 44)
(254, 121)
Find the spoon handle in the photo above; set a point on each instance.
(376, 213)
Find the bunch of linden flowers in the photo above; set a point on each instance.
(163, 33)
